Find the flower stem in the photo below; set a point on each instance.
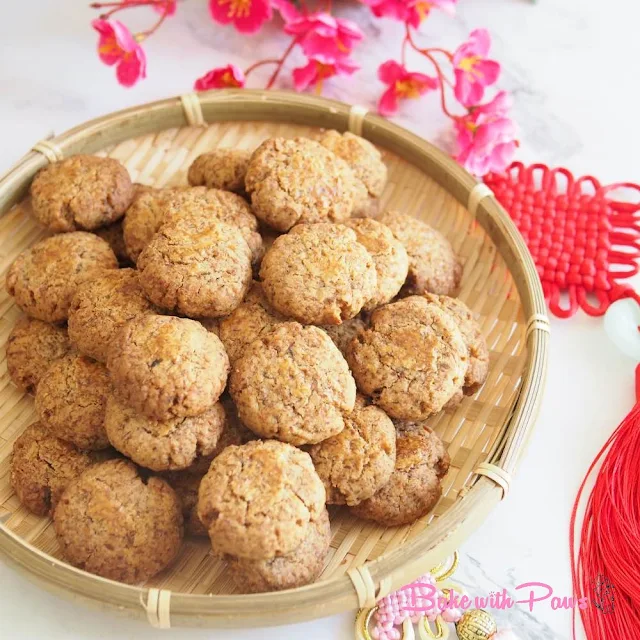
(145, 34)
(260, 63)
(427, 53)
(281, 61)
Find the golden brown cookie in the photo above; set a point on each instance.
(101, 307)
(220, 169)
(113, 235)
(32, 347)
(186, 485)
(249, 321)
(389, 257)
(81, 192)
(363, 158)
(473, 338)
(71, 399)
(44, 278)
(302, 566)
(298, 180)
(166, 367)
(293, 384)
(144, 217)
(318, 274)
(433, 265)
(42, 466)
(199, 268)
(359, 460)
(116, 524)
(260, 500)
(163, 445)
(415, 484)
(343, 334)
(411, 360)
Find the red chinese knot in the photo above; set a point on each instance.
(582, 240)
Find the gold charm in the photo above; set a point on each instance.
(476, 624)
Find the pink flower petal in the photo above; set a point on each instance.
(391, 71)
(304, 77)
(128, 72)
(481, 41)
(219, 11)
(287, 10)
(488, 71)
(388, 104)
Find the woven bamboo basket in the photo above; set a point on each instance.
(486, 436)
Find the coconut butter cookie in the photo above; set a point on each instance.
(220, 169)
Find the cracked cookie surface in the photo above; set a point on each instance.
(249, 321)
(302, 566)
(32, 347)
(318, 274)
(44, 277)
(42, 466)
(411, 360)
(81, 193)
(260, 500)
(433, 265)
(71, 400)
(167, 367)
(100, 307)
(293, 384)
(197, 267)
(415, 485)
(112, 522)
(297, 180)
(220, 169)
(389, 257)
(163, 445)
(359, 460)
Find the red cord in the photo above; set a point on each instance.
(606, 567)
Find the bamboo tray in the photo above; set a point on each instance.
(486, 436)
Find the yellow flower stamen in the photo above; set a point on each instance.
(237, 8)
(407, 89)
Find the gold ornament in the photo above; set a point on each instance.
(476, 624)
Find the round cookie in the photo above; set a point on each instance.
(389, 256)
(31, 348)
(415, 484)
(296, 181)
(42, 466)
(116, 524)
(144, 217)
(359, 460)
(71, 400)
(302, 566)
(363, 158)
(260, 500)
(473, 338)
(166, 367)
(411, 360)
(44, 278)
(433, 265)
(293, 384)
(163, 445)
(318, 274)
(197, 267)
(220, 169)
(101, 307)
(343, 334)
(186, 485)
(214, 204)
(113, 235)
(249, 321)
(81, 192)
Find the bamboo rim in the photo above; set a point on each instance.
(401, 565)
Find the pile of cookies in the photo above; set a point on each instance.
(230, 356)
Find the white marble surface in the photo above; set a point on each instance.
(568, 64)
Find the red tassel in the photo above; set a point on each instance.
(606, 568)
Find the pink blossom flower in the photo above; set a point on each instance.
(247, 16)
(486, 137)
(318, 69)
(403, 85)
(287, 10)
(322, 34)
(411, 11)
(221, 78)
(472, 69)
(118, 46)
